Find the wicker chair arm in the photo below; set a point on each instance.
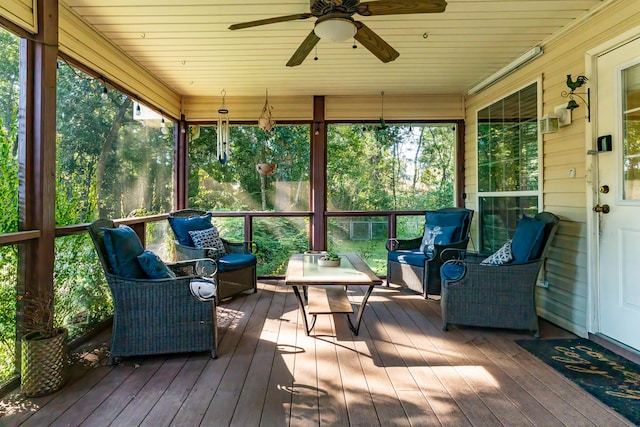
(184, 252)
(202, 267)
(403, 244)
(452, 254)
(247, 247)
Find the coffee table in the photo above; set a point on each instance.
(324, 288)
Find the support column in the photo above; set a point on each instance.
(318, 176)
(37, 155)
(181, 165)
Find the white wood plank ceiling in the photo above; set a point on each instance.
(187, 45)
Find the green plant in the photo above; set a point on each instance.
(330, 256)
(37, 314)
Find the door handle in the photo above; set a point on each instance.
(602, 209)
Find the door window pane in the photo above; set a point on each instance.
(631, 133)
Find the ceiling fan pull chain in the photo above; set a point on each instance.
(315, 58)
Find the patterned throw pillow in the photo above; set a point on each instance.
(501, 256)
(209, 239)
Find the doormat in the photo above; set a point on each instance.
(612, 379)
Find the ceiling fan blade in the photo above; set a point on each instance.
(374, 43)
(303, 51)
(398, 7)
(270, 21)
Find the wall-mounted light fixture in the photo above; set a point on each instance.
(550, 123)
(573, 85)
(317, 130)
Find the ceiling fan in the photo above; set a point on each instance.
(335, 23)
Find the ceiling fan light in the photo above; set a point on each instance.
(335, 30)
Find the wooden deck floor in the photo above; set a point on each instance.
(401, 370)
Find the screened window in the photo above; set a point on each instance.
(236, 184)
(114, 160)
(395, 167)
(9, 99)
(508, 165)
(114, 156)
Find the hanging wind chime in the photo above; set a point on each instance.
(223, 131)
(383, 124)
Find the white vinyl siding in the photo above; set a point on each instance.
(565, 302)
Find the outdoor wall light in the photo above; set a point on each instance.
(560, 117)
(573, 85)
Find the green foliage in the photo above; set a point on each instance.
(9, 95)
(371, 168)
(236, 185)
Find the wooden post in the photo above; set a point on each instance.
(37, 156)
(181, 165)
(318, 176)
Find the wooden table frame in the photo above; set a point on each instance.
(334, 286)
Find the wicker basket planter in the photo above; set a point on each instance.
(44, 363)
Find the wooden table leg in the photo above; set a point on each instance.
(303, 312)
(355, 329)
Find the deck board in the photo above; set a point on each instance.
(402, 369)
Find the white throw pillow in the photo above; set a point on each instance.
(501, 256)
(209, 239)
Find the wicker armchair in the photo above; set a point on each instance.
(157, 316)
(498, 296)
(419, 270)
(233, 279)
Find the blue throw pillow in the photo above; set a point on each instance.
(123, 246)
(154, 266)
(527, 239)
(445, 219)
(436, 235)
(182, 226)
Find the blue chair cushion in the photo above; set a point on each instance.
(415, 258)
(154, 266)
(182, 226)
(451, 271)
(527, 240)
(436, 234)
(445, 219)
(230, 262)
(123, 246)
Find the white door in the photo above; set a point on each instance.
(618, 80)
